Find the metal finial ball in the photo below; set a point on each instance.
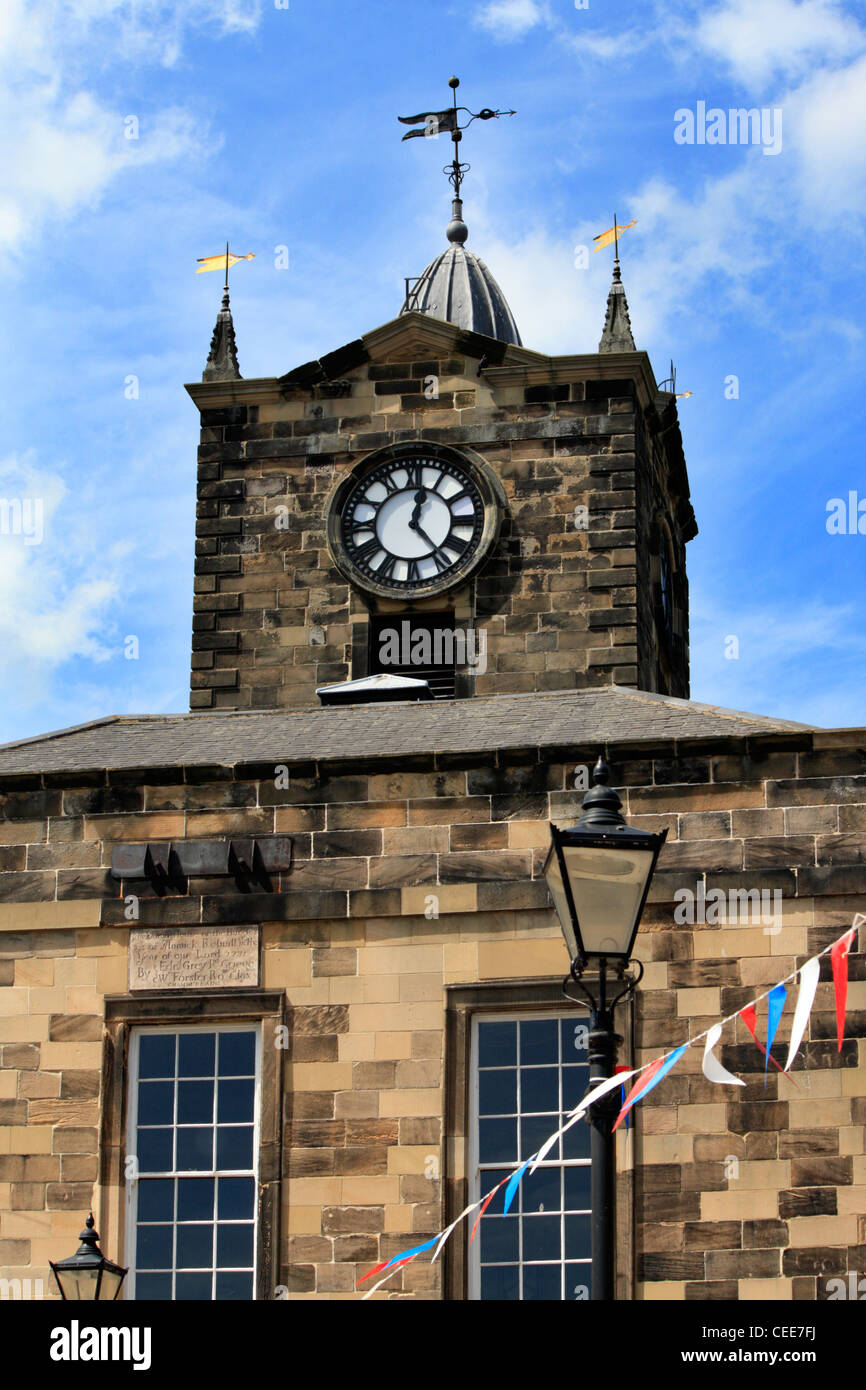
(454, 82)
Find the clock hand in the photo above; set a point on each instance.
(422, 532)
(420, 499)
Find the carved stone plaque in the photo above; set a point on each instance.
(193, 957)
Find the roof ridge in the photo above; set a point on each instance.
(723, 711)
(63, 733)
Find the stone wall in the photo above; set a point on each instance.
(753, 1193)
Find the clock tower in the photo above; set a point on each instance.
(436, 500)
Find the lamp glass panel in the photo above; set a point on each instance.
(110, 1286)
(79, 1284)
(607, 886)
(553, 874)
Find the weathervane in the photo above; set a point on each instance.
(436, 121)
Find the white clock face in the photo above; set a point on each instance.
(412, 523)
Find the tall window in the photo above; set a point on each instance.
(193, 1136)
(527, 1073)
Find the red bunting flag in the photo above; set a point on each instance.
(484, 1205)
(839, 959)
(641, 1084)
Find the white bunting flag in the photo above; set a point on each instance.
(809, 974)
(713, 1069)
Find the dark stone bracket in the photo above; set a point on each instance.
(168, 865)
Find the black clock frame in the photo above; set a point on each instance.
(485, 527)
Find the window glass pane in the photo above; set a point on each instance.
(577, 1234)
(237, 1054)
(195, 1199)
(194, 1102)
(542, 1190)
(538, 1041)
(195, 1247)
(235, 1246)
(156, 1103)
(497, 1141)
(577, 1186)
(196, 1054)
(500, 1282)
(542, 1282)
(153, 1247)
(497, 1093)
(575, 1083)
(236, 1101)
(539, 1089)
(156, 1199)
(193, 1287)
(154, 1150)
(578, 1281)
(235, 1146)
(195, 1149)
(542, 1238)
(497, 1044)
(155, 1287)
(236, 1199)
(500, 1239)
(576, 1143)
(234, 1286)
(534, 1131)
(575, 1040)
(491, 1179)
(156, 1055)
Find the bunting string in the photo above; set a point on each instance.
(651, 1073)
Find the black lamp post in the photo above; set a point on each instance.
(599, 872)
(88, 1275)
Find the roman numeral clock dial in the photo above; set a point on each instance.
(410, 526)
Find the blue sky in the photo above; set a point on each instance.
(277, 127)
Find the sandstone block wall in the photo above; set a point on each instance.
(753, 1193)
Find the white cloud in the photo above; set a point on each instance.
(759, 41)
(793, 660)
(57, 583)
(64, 146)
(508, 20)
(826, 118)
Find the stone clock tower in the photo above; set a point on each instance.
(436, 500)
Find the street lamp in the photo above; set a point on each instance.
(88, 1275)
(599, 872)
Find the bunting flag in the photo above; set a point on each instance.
(712, 1067)
(454, 1224)
(839, 960)
(809, 975)
(484, 1205)
(513, 1184)
(750, 1018)
(402, 1259)
(775, 1006)
(651, 1074)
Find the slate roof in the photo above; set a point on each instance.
(608, 715)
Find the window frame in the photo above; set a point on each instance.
(476, 1188)
(264, 1010)
(157, 1030)
(463, 1004)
